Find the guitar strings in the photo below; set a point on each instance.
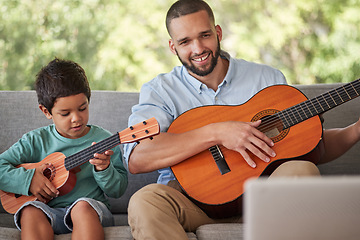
(314, 103)
(319, 105)
(312, 107)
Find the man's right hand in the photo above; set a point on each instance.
(41, 187)
(243, 137)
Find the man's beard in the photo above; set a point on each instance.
(190, 67)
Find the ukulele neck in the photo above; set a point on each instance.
(86, 154)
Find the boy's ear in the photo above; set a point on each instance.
(45, 111)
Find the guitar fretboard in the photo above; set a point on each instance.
(86, 154)
(320, 104)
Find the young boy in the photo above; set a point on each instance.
(63, 95)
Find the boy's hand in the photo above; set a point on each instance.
(41, 187)
(101, 161)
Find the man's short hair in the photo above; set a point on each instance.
(185, 7)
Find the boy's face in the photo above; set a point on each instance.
(70, 115)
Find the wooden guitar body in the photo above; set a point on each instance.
(62, 179)
(220, 193)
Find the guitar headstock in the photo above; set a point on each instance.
(145, 129)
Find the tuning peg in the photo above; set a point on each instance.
(144, 122)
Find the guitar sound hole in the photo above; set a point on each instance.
(271, 124)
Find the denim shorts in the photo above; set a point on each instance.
(60, 218)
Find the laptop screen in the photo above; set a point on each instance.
(302, 208)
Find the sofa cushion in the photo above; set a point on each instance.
(111, 233)
(224, 231)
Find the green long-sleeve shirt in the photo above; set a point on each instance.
(35, 145)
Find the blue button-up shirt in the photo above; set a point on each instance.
(168, 95)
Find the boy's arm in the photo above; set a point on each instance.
(12, 179)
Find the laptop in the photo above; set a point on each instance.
(302, 208)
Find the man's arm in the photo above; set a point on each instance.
(168, 149)
(339, 140)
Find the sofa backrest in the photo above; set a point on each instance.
(19, 114)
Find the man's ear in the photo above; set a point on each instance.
(172, 46)
(45, 111)
(219, 32)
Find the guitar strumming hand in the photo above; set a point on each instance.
(41, 187)
(243, 138)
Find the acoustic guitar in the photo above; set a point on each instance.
(61, 170)
(214, 178)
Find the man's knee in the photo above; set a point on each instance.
(296, 169)
(146, 194)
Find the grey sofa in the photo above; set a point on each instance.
(19, 114)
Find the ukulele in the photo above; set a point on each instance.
(214, 178)
(61, 170)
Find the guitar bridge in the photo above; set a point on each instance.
(219, 159)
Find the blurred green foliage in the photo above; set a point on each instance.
(121, 44)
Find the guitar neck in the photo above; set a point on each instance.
(320, 104)
(86, 154)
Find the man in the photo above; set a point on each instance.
(208, 76)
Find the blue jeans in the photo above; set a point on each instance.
(60, 218)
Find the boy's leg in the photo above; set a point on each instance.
(86, 223)
(35, 224)
(87, 217)
(161, 212)
(53, 216)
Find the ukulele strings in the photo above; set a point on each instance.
(320, 104)
(106, 144)
(88, 153)
(85, 154)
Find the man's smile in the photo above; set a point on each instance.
(200, 59)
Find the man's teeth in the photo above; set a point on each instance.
(201, 59)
